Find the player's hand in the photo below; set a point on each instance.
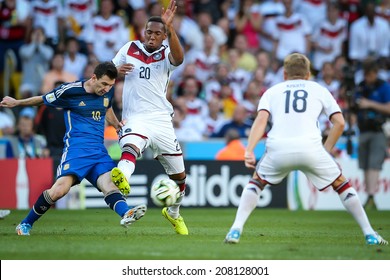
(168, 14)
(119, 129)
(250, 160)
(125, 68)
(8, 102)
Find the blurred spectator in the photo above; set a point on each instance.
(12, 36)
(51, 124)
(326, 79)
(213, 7)
(7, 121)
(329, 37)
(372, 107)
(247, 60)
(49, 14)
(196, 107)
(154, 8)
(221, 76)
(269, 10)
(248, 22)
(228, 100)
(57, 73)
(252, 97)
(215, 118)
(237, 74)
(229, 9)
(313, 11)
(204, 60)
(383, 9)
(369, 36)
(78, 14)
(137, 25)
(239, 122)
(234, 149)
(88, 71)
(186, 70)
(26, 143)
(186, 28)
(74, 61)
(36, 56)
(206, 26)
(264, 62)
(291, 33)
(106, 32)
(350, 10)
(186, 129)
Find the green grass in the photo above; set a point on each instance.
(95, 234)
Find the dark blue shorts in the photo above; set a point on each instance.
(85, 163)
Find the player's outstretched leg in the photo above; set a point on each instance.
(119, 180)
(375, 239)
(133, 215)
(177, 223)
(233, 236)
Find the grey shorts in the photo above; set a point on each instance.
(372, 150)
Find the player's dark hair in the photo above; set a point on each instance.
(106, 68)
(156, 19)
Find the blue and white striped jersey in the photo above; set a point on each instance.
(84, 113)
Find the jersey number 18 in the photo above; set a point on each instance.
(299, 101)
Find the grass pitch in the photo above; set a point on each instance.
(269, 234)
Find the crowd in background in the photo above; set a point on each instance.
(233, 54)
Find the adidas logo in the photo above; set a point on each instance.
(82, 103)
(136, 53)
(349, 195)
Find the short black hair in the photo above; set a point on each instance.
(156, 19)
(106, 68)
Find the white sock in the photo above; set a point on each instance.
(249, 197)
(127, 167)
(351, 202)
(174, 209)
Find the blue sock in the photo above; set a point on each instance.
(43, 203)
(117, 202)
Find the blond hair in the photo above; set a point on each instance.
(296, 66)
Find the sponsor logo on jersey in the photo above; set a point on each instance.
(50, 97)
(136, 53)
(105, 102)
(82, 103)
(66, 166)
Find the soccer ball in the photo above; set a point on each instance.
(165, 193)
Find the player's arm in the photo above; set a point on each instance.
(256, 133)
(10, 102)
(176, 56)
(112, 119)
(335, 131)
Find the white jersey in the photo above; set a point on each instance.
(46, 15)
(291, 32)
(294, 108)
(332, 36)
(101, 31)
(145, 88)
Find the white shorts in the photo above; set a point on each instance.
(156, 132)
(315, 162)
